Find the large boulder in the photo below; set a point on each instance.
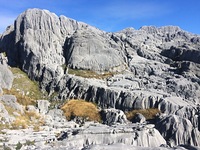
(113, 116)
(43, 106)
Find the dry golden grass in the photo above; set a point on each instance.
(90, 73)
(147, 113)
(81, 108)
(28, 119)
(22, 121)
(21, 99)
(26, 92)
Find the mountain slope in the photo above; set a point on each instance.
(149, 68)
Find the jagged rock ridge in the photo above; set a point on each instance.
(151, 67)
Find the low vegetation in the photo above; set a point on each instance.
(23, 85)
(28, 143)
(25, 90)
(149, 114)
(29, 118)
(23, 120)
(90, 73)
(80, 108)
(21, 99)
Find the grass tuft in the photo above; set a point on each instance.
(81, 108)
(90, 73)
(149, 114)
(21, 99)
(29, 118)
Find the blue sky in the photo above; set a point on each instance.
(112, 15)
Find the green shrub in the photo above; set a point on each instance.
(18, 146)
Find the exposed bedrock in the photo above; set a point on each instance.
(149, 68)
(177, 130)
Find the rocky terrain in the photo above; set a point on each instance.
(129, 70)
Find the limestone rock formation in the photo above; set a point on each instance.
(1, 91)
(43, 106)
(130, 147)
(93, 51)
(6, 76)
(139, 118)
(136, 135)
(113, 116)
(4, 115)
(177, 131)
(11, 101)
(153, 67)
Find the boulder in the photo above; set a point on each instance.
(3, 59)
(113, 116)
(55, 118)
(31, 108)
(6, 77)
(1, 91)
(139, 118)
(11, 101)
(43, 106)
(5, 118)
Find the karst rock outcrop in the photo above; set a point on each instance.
(153, 67)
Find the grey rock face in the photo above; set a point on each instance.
(56, 118)
(11, 101)
(93, 51)
(139, 118)
(38, 38)
(113, 116)
(6, 77)
(5, 118)
(3, 59)
(1, 91)
(177, 131)
(43, 106)
(146, 136)
(86, 136)
(152, 67)
(123, 146)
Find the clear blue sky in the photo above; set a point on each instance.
(112, 15)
